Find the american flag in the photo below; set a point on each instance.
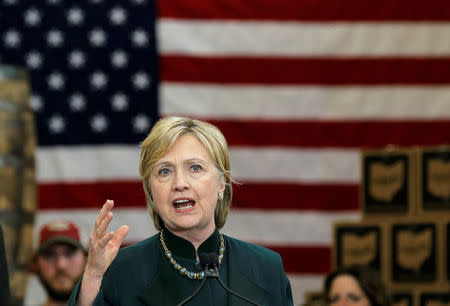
(297, 87)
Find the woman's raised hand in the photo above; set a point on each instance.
(103, 248)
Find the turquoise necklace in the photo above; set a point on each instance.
(181, 269)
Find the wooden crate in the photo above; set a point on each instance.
(388, 183)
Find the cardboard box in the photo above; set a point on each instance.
(414, 253)
(446, 248)
(360, 244)
(433, 298)
(10, 188)
(388, 186)
(14, 85)
(403, 298)
(433, 181)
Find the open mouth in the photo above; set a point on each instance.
(184, 205)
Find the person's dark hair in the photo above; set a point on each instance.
(368, 279)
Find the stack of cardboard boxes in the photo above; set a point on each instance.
(17, 176)
(405, 228)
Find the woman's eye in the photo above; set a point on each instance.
(164, 172)
(333, 299)
(196, 168)
(354, 297)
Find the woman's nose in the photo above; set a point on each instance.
(181, 181)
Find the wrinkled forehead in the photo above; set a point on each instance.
(197, 149)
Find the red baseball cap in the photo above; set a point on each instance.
(59, 231)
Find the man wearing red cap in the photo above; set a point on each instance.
(59, 260)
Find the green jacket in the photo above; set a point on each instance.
(141, 275)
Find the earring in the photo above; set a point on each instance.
(220, 195)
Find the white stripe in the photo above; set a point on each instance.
(302, 283)
(266, 38)
(295, 165)
(87, 164)
(305, 102)
(284, 228)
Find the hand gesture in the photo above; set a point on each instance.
(103, 248)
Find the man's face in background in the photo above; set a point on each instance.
(59, 268)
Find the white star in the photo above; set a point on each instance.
(36, 103)
(32, 17)
(139, 1)
(141, 123)
(12, 38)
(55, 38)
(119, 59)
(99, 80)
(54, 1)
(141, 80)
(33, 60)
(75, 16)
(77, 59)
(117, 16)
(99, 123)
(56, 124)
(56, 81)
(77, 102)
(10, 2)
(139, 38)
(96, 1)
(97, 37)
(119, 102)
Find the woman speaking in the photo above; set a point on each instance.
(185, 171)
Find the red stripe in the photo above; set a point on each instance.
(305, 259)
(325, 71)
(90, 195)
(248, 195)
(299, 259)
(296, 196)
(338, 134)
(307, 10)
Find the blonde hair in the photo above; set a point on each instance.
(161, 138)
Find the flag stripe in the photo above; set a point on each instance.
(294, 165)
(295, 39)
(303, 259)
(285, 229)
(310, 10)
(248, 196)
(340, 134)
(305, 102)
(312, 71)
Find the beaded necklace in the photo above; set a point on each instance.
(184, 271)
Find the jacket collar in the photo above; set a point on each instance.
(184, 248)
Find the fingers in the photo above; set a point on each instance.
(122, 232)
(104, 212)
(101, 229)
(105, 239)
(99, 236)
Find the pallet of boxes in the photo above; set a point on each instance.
(405, 228)
(17, 176)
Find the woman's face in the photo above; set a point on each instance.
(185, 184)
(345, 290)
